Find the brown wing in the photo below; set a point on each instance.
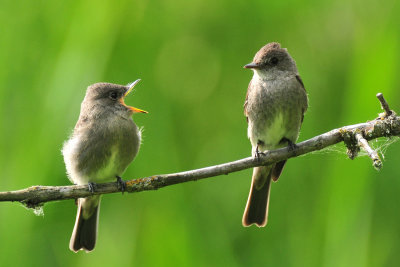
(298, 78)
(245, 102)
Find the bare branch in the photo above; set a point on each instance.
(384, 104)
(376, 160)
(381, 127)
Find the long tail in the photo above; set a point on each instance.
(84, 234)
(256, 211)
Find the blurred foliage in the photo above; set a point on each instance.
(326, 210)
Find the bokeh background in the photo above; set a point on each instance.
(326, 210)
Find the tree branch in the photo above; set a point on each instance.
(354, 136)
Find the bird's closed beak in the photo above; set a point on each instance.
(251, 66)
(134, 110)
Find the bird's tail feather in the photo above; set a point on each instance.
(256, 211)
(84, 234)
(277, 170)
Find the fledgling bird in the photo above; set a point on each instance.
(275, 105)
(104, 142)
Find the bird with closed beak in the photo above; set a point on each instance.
(104, 142)
(275, 104)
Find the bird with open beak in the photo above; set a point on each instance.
(104, 142)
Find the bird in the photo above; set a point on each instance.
(104, 142)
(275, 104)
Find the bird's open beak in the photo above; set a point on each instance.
(134, 110)
(251, 66)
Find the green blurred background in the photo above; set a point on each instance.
(326, 210)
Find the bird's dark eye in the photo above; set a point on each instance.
(113, 95)
(274, 61)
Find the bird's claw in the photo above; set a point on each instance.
(92, 187)
(121, 184)
(258, 153)
(291, 146)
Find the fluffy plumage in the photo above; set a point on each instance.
(104, 142)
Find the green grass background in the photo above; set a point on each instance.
(326, 210)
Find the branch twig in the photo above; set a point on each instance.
(376, 160)
(388, 125)
(384, 104)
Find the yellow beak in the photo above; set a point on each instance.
(135, 110)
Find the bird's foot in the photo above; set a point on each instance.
(121, 184)
(291, 146)
(92, 187)
(258, 152)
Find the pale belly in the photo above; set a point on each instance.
(275, 110)
(269, 135)
(112, 166)
(108, 171)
